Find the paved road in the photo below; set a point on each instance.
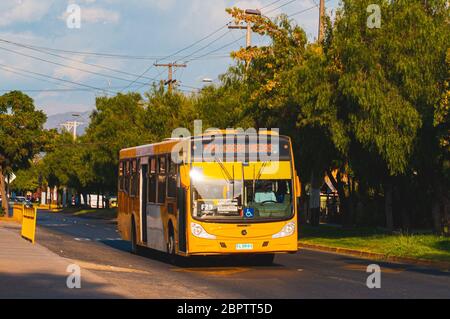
(95, 246)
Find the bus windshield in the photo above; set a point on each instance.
(250, 200)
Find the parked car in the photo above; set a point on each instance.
(20, 200)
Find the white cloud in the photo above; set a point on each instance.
(96, 15)
(17, 11)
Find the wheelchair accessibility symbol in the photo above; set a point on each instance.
(249, 212)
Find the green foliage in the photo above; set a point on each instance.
(27, 179)
(21, 135)
(21, 130)
(118, 122)
(165, 111)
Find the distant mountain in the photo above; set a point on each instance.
(55, 121)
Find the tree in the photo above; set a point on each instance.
(165, 111)
(117, 122)
(21, 135)
(372, 103)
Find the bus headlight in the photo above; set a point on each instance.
(288, 230)
(198, 231)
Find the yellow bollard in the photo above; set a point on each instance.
(29, 223)
(18, 212)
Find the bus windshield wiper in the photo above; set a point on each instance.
(230, 179)
(224, 170)
(257, 178)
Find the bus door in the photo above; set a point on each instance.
(144, 192)
(182, 193)
(181, 205)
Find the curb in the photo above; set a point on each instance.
(376, 256)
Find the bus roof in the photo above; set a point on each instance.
(166, 145)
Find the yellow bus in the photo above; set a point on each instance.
(211, 195)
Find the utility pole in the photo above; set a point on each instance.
(247, 27)
(321, 21)
(72, 126)
(170, 80)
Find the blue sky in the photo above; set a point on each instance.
(139, 28)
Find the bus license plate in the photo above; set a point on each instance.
(244, 246)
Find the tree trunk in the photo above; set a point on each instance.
(5, 200)
(302, 207)
(98, 199)
(388, 206)
(436, 214)
(314, 199)
(343, 200)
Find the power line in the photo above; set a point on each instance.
(57, 79)
(66, 66)
(270, 4)
(82, 70)
(48, 51)
(181, 50)
(305, 10)
(69, 59)
(28, 76)
(206, 46)
(214, 51)
(95, 54)
(279, 7)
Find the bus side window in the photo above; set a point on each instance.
(172, 179)
(135, 178)
(127, 177)
(131, 178)
(152, 181)
(162, 179)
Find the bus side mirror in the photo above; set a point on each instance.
(298, 187)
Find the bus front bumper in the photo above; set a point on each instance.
(231, 246)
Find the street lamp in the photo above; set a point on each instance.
(254, 12)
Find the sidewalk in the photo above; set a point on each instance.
(32, 271)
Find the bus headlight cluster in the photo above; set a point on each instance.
(288, 230)
(198, 231)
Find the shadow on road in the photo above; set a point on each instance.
(44, 285)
